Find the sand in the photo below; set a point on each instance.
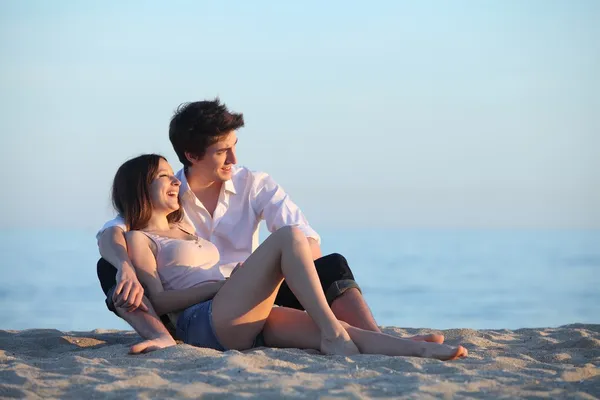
(553, 363)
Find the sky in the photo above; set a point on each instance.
(384, 114)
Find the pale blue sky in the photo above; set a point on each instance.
(387, 114)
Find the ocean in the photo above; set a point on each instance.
(437, 279)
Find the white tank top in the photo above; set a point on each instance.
(183, 263)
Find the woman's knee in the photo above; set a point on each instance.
(290, 234)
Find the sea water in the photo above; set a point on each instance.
(410, 278)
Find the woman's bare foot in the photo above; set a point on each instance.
(340, 344)
(432, 338)
(443, 352)
(150, 345)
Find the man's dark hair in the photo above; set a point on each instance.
(200, 124)
(131, 191)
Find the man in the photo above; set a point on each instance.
(225, 205)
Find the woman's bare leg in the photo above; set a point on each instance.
(149, 326)
(287, 327)
(243, 304)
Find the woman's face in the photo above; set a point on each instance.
(164, 189)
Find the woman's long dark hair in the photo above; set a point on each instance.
(131, 191)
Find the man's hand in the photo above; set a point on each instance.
(129, 292)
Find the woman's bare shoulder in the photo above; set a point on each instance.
(138, 240)
(136, 237)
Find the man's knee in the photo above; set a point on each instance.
(110, 304)
(338, 262)
(333, 267)
(335, 275)
(107, 275)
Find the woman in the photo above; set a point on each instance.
(182, 279)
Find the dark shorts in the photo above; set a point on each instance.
(335, 276)
(333, 270)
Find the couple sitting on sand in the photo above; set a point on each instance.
(184, 247)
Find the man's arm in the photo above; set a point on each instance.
(163, 301)
(113, 248)
(276, 207)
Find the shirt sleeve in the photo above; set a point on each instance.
(117, 221)
(275, 206)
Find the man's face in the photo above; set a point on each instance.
(216, 164)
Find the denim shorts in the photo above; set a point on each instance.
(195, 327)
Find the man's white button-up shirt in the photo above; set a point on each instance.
(246, 199)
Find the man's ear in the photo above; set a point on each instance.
(190, 157)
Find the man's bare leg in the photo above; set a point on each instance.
(352, 308)
(149, 326)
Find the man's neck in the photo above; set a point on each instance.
(199, 185)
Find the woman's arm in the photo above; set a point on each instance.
(164, 302)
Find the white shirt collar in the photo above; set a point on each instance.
(229, 186)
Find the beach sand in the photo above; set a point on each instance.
(559, 362)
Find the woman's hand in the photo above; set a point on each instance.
(129, 291)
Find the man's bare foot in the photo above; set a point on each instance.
(431, 338)
(340, 345)
(443, 352)
(150, 345)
